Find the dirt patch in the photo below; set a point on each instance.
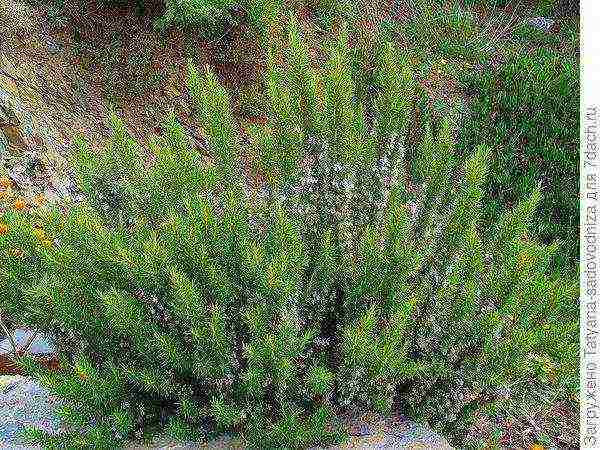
(76, 66)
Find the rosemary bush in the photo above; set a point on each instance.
(184, 297)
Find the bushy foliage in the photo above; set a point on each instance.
(208, 14)
(213, 16)
(209, 17)
(527, 109)
(183, 296)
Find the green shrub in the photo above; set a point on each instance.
(263, 15)
(184, 299)
(528, 111)
(211, 15)
(452, 31)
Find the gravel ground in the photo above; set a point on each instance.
(24, 403)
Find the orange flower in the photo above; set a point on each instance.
(5, 182)
(39, 199)
(3, 229)
(537, 447)
(20, 204)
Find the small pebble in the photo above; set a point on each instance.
(541, 23)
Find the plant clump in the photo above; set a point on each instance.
(185, 299)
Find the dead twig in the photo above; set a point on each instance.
(28, 343)
(8, 335)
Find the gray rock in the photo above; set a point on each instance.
(367, 432)
(53, 47)
(39, 345)
(3, 144)
(31, 150)
(541, 23)
(222, 443)
(24, 403)
(398, 432)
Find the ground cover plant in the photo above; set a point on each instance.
(312, 263)
(209, 17)
(528, 108)
(526, 105)
(511, 70)
(520, 96)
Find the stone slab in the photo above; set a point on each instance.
(39, 345)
